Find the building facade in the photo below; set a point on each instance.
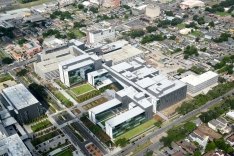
(21, 103)
(197, 83)
(75, 70)
(97, 36)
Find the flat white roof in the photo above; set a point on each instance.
(125, 52)
(74, 60)
(130, 91)
(105, 106)
(121, 67)
(13, 145)
(145, 71)
(146, 82)
(230, 114)
(19, 96)
(125, 116)
(52, 64)
(78, 65)
(98, 72)
(195, 80)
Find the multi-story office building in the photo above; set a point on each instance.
(48, 68)
(100, 35)
(197, 83)
(99, 78)
(128, 109)
(75, 70)
(124, 122)
(148, 80)
(21, 103)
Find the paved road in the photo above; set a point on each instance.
(16, 64)
(177, 121)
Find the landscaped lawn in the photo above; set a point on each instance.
(180, 26)
(82, 89)
(41, 125)
(5, 77)
(43, 138)
(95, 103)
(137, 130)
(78, 33)
(223, 13)
(196, 33)
(67, 152)
(63, 99)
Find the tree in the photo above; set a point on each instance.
(211, 24)
(80, 6)
(122, 142)
(190, 50)
(210, 146)
(38, 91)
(136, 33)
(93, 9)
(197, 153)
(169, 13)
(7, 60)
(181, 70)
(71, 35)
(151, 29)
(173, 37)
(22, 72)
(176, 21)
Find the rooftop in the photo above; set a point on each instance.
(105, 106)
(19, 96)
(124, 116)
(196, 80)
(125, 52)
(13, 145)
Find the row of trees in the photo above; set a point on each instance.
(220, 7)
(219, 144)
(222, 38)
(178, 133)
(62, 15)
(173, 22)
(217, 111)
(152, 37)
(226, 65)
(190, 51)
(201, 99)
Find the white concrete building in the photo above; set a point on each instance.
(197, 83)
(48, 68)
(230, 115)
(152, 11)
(219, 124)
(63, 3)
(200, 138)
(100, 35)
(75, 70)
(191, 4)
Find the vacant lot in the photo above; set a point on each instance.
(82, 89)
